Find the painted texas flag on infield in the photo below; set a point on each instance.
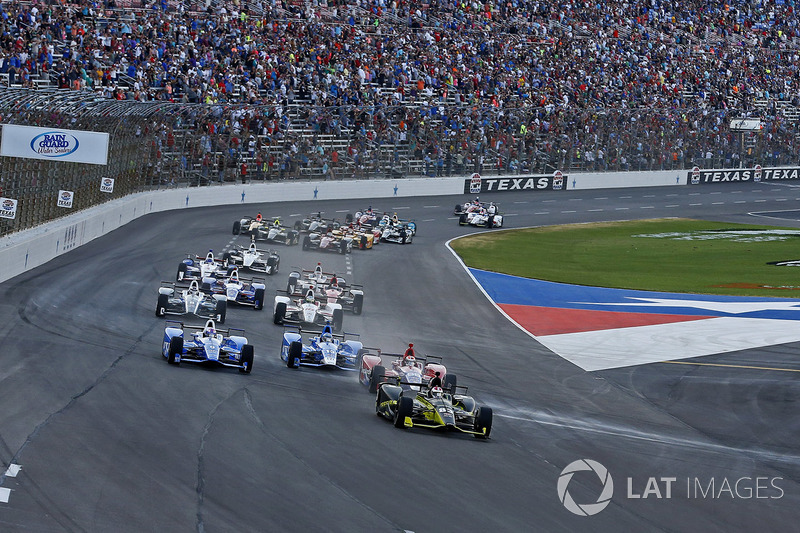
(598, 328)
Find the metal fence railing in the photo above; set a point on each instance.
(163, 144)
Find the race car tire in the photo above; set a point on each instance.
(272, 265)
(306, 242)
(237, 227)
(358, 303)
(291, 285)
(181, 272)
(348, 218)
(338, 318)
(175, 348)
(376, 378)
(258, 300)
(161, 306)
(295, 353)
(405, 406)
(221, 311)
(483, 421)
(403, 236)
(458, 209)
(462, 219)
(363, 242)
(449, 382)
(342, 247)
(293, 239)
(490, 222)
(298, 224)
(246, 359)
(280, 313)
(226, 258)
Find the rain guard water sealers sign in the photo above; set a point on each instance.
(8, 208)
(54, 144)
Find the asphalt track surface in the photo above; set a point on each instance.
(106, 436)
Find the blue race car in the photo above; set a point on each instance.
(207, 344)
(322, 348)
(238, 290)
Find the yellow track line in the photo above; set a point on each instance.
(733, 366)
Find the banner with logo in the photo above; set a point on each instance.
(477, 184)
(737, 175)
(54, 144)
(8, 208)
(65, 198)
(107, 185)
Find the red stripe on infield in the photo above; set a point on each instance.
(554, 321)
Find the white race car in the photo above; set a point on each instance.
(253, 259)
(487, 217)
(307, 311)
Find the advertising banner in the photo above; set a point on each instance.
(65, 198)
(54, 144)
(738, 175)
(107, 184)
(476, 184)
(8, 208)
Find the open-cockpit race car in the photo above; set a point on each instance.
(262, 230)
(207, 344)
(410, 405)
(242, 291)
(481, 214)
(175, 299)
(315, 223)
(307, 310)
(319, 348)
(377, 367)
(197, 267)
(332, 241)
(253, 259)
(327, 286)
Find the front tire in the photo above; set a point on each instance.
(221, 311)
(405, 406)
(295, 354)
(237, 227)
(175, 350)
(376, 378)
(462, 219)
(338, 318)
(247, 359)
(280, 313)
(358, 303)
(161, 306)
(483, 422)
(258, 300)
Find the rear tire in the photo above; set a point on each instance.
(295, 354)
(449, 383)
(272, 264)
(181, 272)
(306, 242)
(280, 313)
(405, 406)
(237, 227)
(161, 306)
(175, 349)
(221, 311)
(247, 359)
(376, 378)
(338, 318)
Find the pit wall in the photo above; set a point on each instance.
(25, 250)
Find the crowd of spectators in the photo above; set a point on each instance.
(460, 85)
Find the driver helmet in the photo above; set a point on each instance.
(437, 392)
(409, 360)
(326, 337)
(209, 332)
(258, 217)
(310, 298)
(276, 222)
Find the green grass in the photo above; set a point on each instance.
(631, 255)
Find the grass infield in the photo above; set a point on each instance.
(668, 255)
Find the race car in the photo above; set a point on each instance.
(322, 348)
(406, 368)
(469, 207)
(409, 225)
(433, 407)
(207, 344)
(308, 311)
(396, 233)
(238, 290)
(316, 224)
(198, 267)
(261, 230)
(253, 259)
(488, 217)
(328, 242)
(327, 286)
(176, 299)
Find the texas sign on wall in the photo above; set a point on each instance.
(54, 144)
(477, 184)
(696, 176)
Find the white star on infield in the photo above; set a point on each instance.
(720, 307)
